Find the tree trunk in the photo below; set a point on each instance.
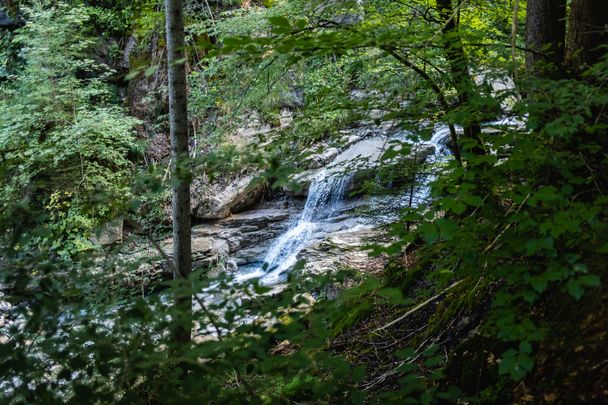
(587, 32)
(459, 68)
(178, 120)
(545, 37)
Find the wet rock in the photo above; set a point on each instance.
(324, 157)
(339, 250)
(360, 160)
(8, 22)
(219, 246)
(256, 218)
(231, 266)
(246, 235)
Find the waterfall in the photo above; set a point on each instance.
(438, 141)
(326, 192)
(325, 196)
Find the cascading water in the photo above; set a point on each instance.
(325, 196)
(423, 191)
(326, 192)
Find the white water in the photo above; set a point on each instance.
(326, 192)
(325, 197)
(438, 141)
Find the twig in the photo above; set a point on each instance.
(506, 228)
(167, 171)
(419, 306)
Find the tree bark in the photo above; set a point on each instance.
(545, 37)
(178, 121)
(587, 31)
(459, 68)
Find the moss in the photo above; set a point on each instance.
(359, 308)
(471, 299)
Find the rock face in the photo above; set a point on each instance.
(241, 237)
(217, 201)
(339, 250)
(247, 235)
(146, 96)
(360, 159)
(221, 246)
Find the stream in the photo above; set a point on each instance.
(326, 196)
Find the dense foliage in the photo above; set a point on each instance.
(65, 141)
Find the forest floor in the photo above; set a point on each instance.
(571, 363)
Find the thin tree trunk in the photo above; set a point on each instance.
(459, 68)
(587, 32)
(514, 26)
(545, 37)
(178, 120)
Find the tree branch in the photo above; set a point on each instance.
(440, 96)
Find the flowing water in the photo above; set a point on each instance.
(325, 198)
(326, 192)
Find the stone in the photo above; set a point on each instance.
(241, 237)
(8, 22)
(231, 266)
(252, 128)
(322, 158)
(361, 160)
(109, 233)
(340, 249)
(300, 183)
(217, 201)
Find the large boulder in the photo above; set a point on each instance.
(339, 250)
(218, 201)
(109, 233)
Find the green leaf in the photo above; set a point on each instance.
(539, 283)
(150, 70)
(280, 22)
(132, 74)
(525, 347)
(394, 296)
(589, 280)
(575, 289)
